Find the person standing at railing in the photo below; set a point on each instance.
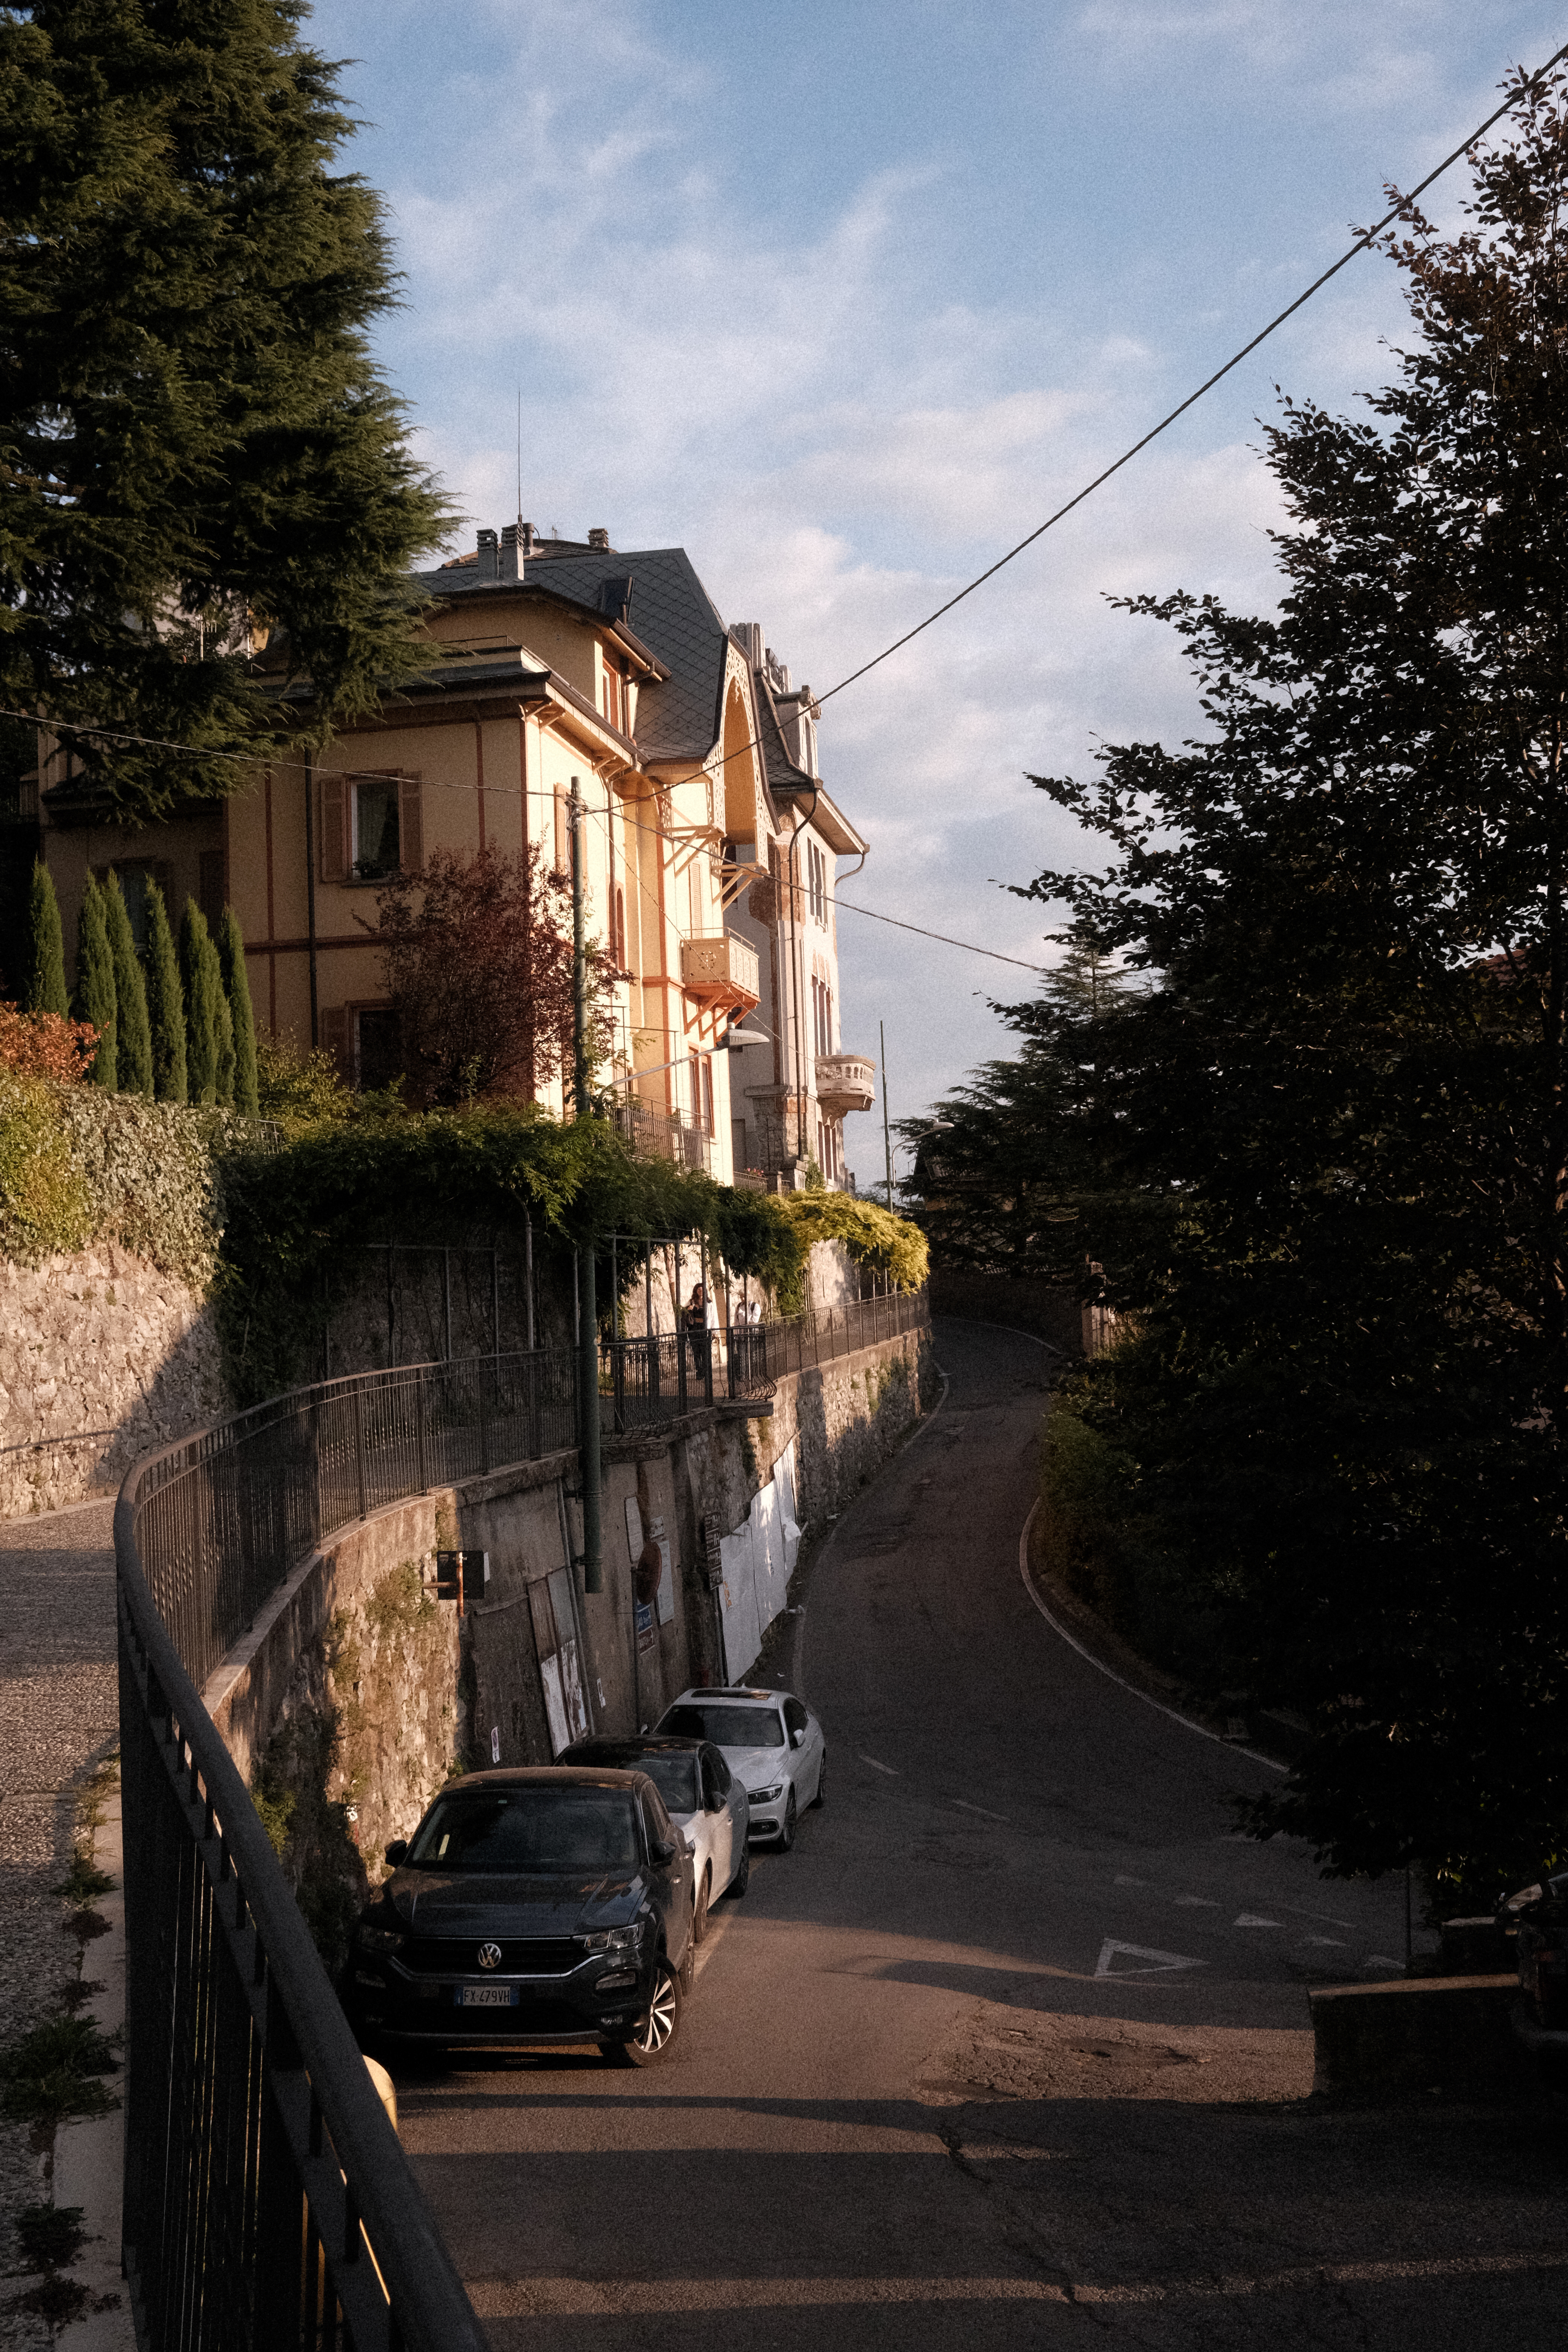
(696, 1319)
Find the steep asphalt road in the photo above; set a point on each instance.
(1013, 2049)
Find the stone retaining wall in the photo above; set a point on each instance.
(98, 1341)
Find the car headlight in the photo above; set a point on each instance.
(765, 1795)
(379, 1939)
(616, 1939)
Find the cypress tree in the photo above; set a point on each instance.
(165, 1000)
(237, 989)
(133, 1034)
(43, 973)
(189, 281)
(203, 996)
(95, 994)
(224, 1091)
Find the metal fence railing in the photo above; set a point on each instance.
(268, 2203)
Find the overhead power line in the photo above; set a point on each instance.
(968, 945)
(1154, 431)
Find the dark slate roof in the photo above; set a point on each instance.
(782, 773)
(669, 611)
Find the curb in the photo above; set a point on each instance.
(89, 2170)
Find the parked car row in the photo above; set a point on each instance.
(564, 1903)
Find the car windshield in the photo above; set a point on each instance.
(727, 1726)
(530, 1830)
(675, 1777)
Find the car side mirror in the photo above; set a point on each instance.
(715, 1804)
(799, 1738)
(665, 1851)
(396, 1852)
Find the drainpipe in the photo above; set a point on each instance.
(310, 902)
(588, 1334)
(797, 964)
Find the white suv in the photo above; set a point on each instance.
(772, 1742)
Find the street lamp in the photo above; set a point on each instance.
(913, 1143)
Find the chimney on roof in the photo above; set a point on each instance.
(748, 636)
(509, 551)
(600, 537)
(525, 538)
(488, 555)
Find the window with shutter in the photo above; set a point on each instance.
(411, 827)
(334, 829)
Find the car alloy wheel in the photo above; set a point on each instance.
(821, 1796)
(700, 1909)
(786, 1827)
(658, 2029)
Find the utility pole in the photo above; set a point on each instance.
(886, 1144)
(588, 1330)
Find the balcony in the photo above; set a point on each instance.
(844, 1082)
(656, 1135)
(719, 970)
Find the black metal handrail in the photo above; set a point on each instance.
(268, 2201)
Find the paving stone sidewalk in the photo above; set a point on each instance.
(58, 1716)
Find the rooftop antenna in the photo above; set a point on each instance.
(520, 454)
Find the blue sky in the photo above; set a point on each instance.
(846, 298)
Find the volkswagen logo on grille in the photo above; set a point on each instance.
(489, 1955)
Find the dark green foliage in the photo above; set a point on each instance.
(53, 2072)
(205, 1013)
(199, 447)
(50, 2236)
(165, 1000)
(1343, 1108)
(42, 984)
(1018, 1173)
(95, 993)
(133, 1032)
(236, 995)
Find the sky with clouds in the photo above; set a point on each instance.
(844, 295)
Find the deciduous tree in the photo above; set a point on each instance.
(477, 963)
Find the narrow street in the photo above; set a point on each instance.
(1014, 2044)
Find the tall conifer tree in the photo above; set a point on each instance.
(165, 1000)
(237, 990)
(203, 985)
(133, 1034)
(189, 284)
(95, 991)
(43, 974)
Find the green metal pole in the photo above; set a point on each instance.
(588, 1335)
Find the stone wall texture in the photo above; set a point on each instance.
(98, 1341)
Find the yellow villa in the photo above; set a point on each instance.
(711, 843)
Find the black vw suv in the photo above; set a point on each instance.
(532, 1907)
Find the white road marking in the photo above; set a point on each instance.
(1193, 1903)
(1121, 1879)
(1381, 1960)
(1074, 1643)
(888, 1768)
(975, 1809)
(1338, 1941)
(1251, 1919)
(1110, 1946)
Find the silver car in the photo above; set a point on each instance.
(706, 1803)
(772, 1742)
